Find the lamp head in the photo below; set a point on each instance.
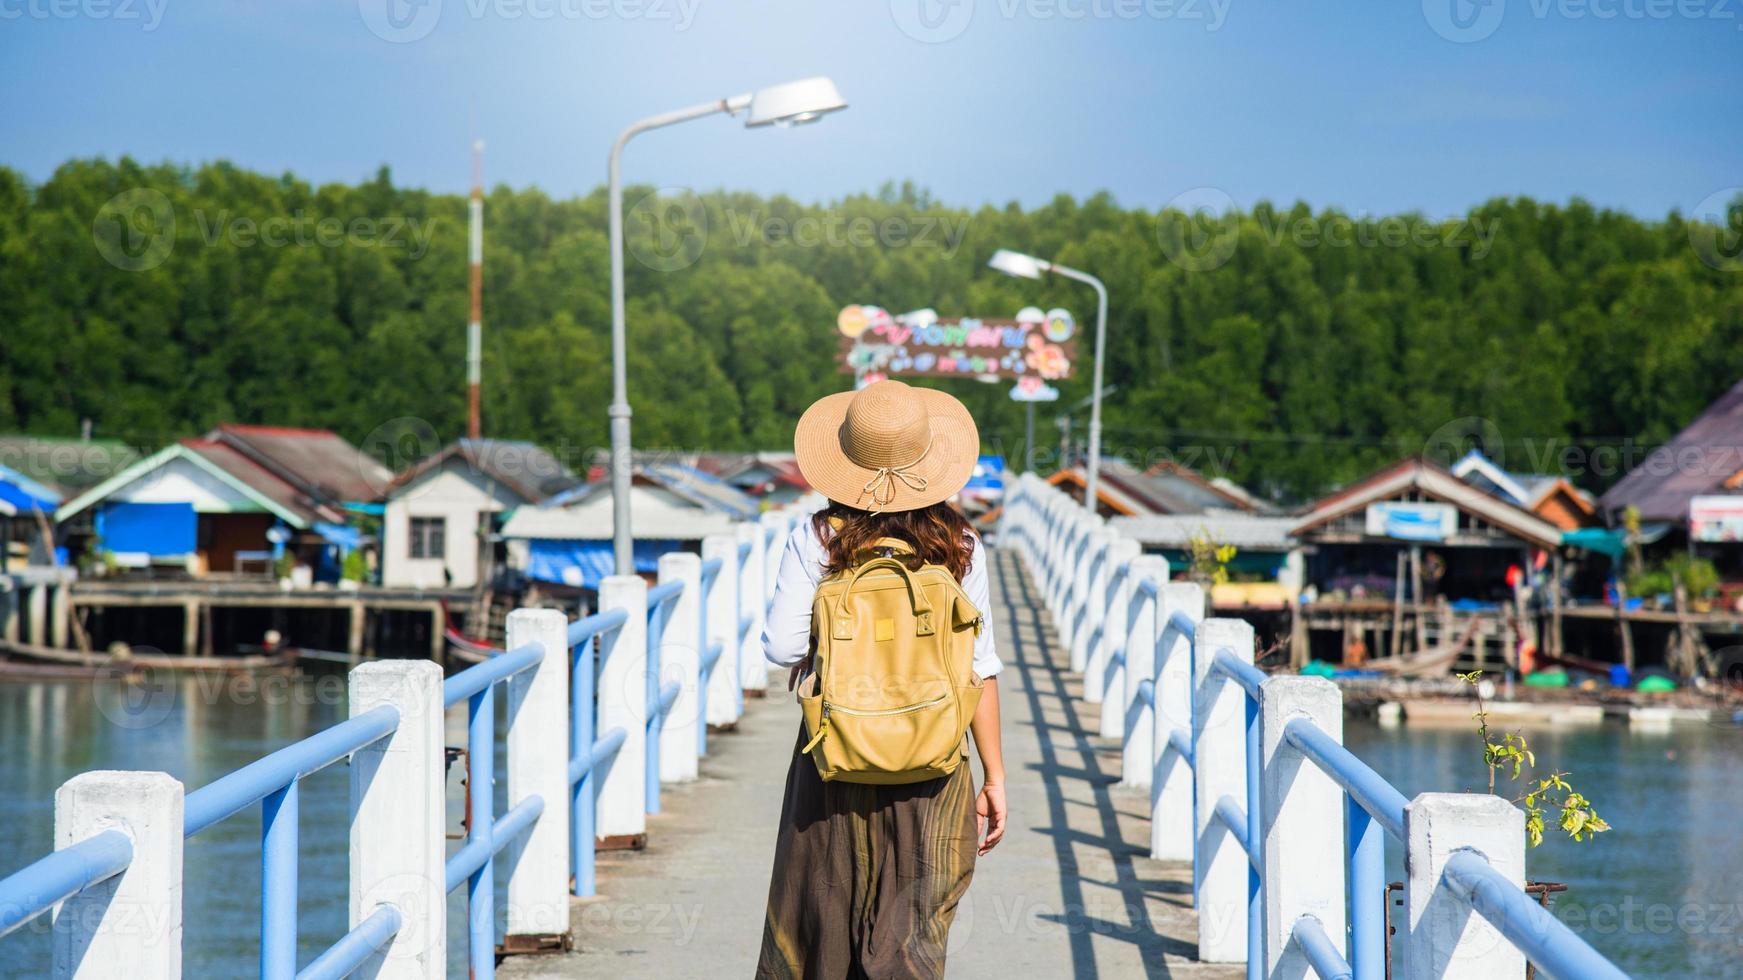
(794, 103)
(1017, 264)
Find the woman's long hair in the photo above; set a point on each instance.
(939, 535)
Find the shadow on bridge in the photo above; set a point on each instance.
(1114, 901)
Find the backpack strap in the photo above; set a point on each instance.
(842, 629)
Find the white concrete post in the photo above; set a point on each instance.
(1065, 580)
(1143, 629)
(1091, 588)
(1302, 820)
(722, 619)
(1171, 829)
(1444, 939)
(538, 765)
(680, 661)
(398, 818)
(130, 925)
(1111, 618)
(1219, 721)
(1116, 694)
(753, 669)
(773, 544)
(623, 678)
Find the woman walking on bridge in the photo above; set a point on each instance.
(881, 823)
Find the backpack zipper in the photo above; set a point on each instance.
(823, 722)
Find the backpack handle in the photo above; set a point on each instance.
(843, 627)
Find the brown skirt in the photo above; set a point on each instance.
(866, 878)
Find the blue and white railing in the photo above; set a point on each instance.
(1249, 780)
(599, 713)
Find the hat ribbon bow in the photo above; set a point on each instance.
(882, 486)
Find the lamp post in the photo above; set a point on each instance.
(1029, 267)
(790, 104)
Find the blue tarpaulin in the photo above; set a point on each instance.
(151, 529)
(25, 494)
(587, 563)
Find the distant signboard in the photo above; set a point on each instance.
(923, 344)
(1412, 520)
(1716, 518)
(1032, 389)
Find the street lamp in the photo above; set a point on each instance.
(790, 104)
(1029, 267)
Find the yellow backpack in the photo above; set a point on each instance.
(892, 689)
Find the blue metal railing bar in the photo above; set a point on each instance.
(1181, 740)
(662, 593)
(36, 887)
(1147, 692)
(1321, 954)
(710, 570)
(1365, 786)
(658, 701)
(581, 766)
(1185, 624)
(586, 754)
(233, 792)
(346, 955)
(1231, 816)
(597, 624)
(1245, 674)
(743, 553)
(1147, 588)
(1544, 939)
(466, 861)
(479, 677)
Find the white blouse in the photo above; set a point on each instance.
(787, 632)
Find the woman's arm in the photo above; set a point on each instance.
(989, 806)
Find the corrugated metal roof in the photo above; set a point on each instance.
(316, 461)
(262, 480)
(526, 468)
(1703, 458)
(1250, 532)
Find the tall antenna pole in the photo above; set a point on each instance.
(475, 326)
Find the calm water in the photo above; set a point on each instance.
(1662, 893)
(195, 729)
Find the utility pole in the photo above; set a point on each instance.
(475, 326)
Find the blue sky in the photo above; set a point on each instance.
(1375, 107)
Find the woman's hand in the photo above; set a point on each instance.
(990, 813)
(798, 671)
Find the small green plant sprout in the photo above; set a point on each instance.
(1512, 754)
(1210, 560)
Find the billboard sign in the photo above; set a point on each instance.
(1716, 518)
(922, 344)
(1412, 520)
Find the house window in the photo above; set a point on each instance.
(429, 537)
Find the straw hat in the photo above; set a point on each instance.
(887, 447)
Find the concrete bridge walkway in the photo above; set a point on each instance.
(1069, 893)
